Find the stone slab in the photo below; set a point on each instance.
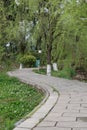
(75, 114)
(47, 124)
(21, 129)
(61, 119)
(29, 123)
(51, 128)
(72, 124)
(79, 128)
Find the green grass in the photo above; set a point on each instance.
(16, 101)
(66, 73)
(40, 71)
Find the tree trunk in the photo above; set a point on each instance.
(21, 66)
(49, 55)
(55, 68)
(48, 69)
(49, 48)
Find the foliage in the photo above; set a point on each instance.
(28, 60)
(67, 73)
(16, 101)
(45, 26)
(15, 25)
(70, 44)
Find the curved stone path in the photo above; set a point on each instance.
(65, 107)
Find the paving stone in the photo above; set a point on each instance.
(75, 100)
(73, 114)
(83, 111)
(83, 108)
(54, 115)
(84, 105)
(39, 115)
(78, 102)
(51, 128)
(72, 124)
(60, 106)
(67, 97)
(72, 110)
(56, 109)
(45, 109)
(61, 119)
(63, 101)
(82, 119)
(74, 105)
(29, 123)
(21, 129)
(79, 128)
(47, 124)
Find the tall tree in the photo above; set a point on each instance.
(71, 46)
(46, 23)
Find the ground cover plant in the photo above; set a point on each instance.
(16, 100)
(67, 73)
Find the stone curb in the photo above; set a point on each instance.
(42, 110)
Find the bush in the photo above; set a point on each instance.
(28, 60)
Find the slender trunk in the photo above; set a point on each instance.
(49, 49)
(48, 70)
(49, 56)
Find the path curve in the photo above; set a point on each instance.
(69, 111)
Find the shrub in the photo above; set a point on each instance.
(28, 60)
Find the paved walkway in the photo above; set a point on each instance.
(64, 111)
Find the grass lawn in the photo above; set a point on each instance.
(16, 100)
(68, 74)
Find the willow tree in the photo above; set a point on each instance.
(25, 22)
(15, 25)
(4, 25)
(47, 15)
(1, 29)
(71, 44)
